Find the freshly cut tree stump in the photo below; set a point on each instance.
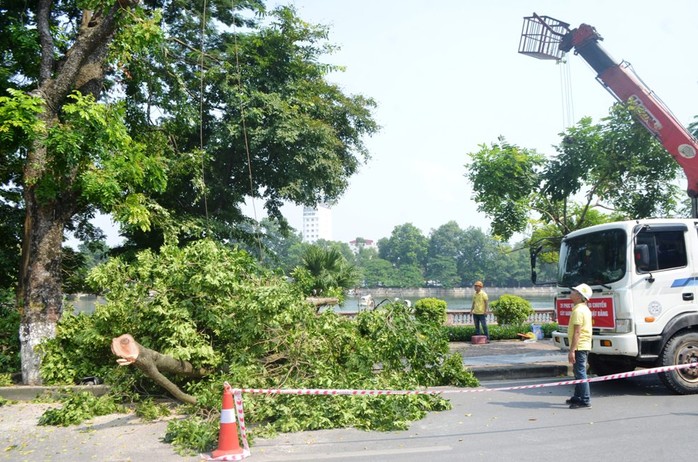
(153, 364)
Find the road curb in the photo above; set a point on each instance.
(30, 393)
(520, 371)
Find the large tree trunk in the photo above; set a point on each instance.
(39, 297)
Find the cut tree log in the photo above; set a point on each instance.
(153, 364)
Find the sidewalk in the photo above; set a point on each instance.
(513, 359)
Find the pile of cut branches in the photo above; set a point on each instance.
(204, 314)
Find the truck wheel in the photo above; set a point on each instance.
(681, 349)
(607, 365)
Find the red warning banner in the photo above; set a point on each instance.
(603, 315)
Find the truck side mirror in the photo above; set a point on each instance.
(642, 257)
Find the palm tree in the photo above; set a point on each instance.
(325, 271)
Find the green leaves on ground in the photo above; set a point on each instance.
(80, 406)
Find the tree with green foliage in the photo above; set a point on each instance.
(504, 179)
(405, 246)
(515, 267)
(217, 309)
(406, 249)
(165, 116)
(271, 126)
(408, 276)
(446, 247)
(480, 257)
(341, 247)
(95, 252)
(378, 273)
(614, 166)
(273, 245)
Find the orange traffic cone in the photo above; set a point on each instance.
(228, 444)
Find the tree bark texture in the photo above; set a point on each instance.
(39, 297)
(153, 364)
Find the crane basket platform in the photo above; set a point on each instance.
(541, 36)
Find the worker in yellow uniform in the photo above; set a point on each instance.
(479, 310)
(579, 335)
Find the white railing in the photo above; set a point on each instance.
(464, 318)
(460, 318)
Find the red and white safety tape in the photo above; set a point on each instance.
(325, 391)
(237, 392)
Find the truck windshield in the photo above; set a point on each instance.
(595, 258)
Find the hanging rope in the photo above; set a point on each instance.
(238, 72)
(202, 73)
(566, 93)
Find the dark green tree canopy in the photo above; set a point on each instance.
(405, 246)
(239, 108)
(504, 177)
(445, 254)
(257, 108)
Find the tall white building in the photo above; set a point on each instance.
(317, 223)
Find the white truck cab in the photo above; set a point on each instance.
(644, 275)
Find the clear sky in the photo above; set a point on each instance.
(448, 77)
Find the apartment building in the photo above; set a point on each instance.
(317, 223)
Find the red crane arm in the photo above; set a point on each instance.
(627, 88)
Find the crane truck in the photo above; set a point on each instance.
(644, 273)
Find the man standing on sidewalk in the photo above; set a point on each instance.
(579, 335)
(479, 310)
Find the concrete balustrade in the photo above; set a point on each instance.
(464, 318)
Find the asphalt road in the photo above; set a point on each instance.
(633, 419)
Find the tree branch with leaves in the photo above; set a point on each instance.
(601, 172)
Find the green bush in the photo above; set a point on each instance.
(149, 410)
(497, 332)
(192, 435)
(549, 328)
(9, 333)
(430, 310)
(511, 309)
